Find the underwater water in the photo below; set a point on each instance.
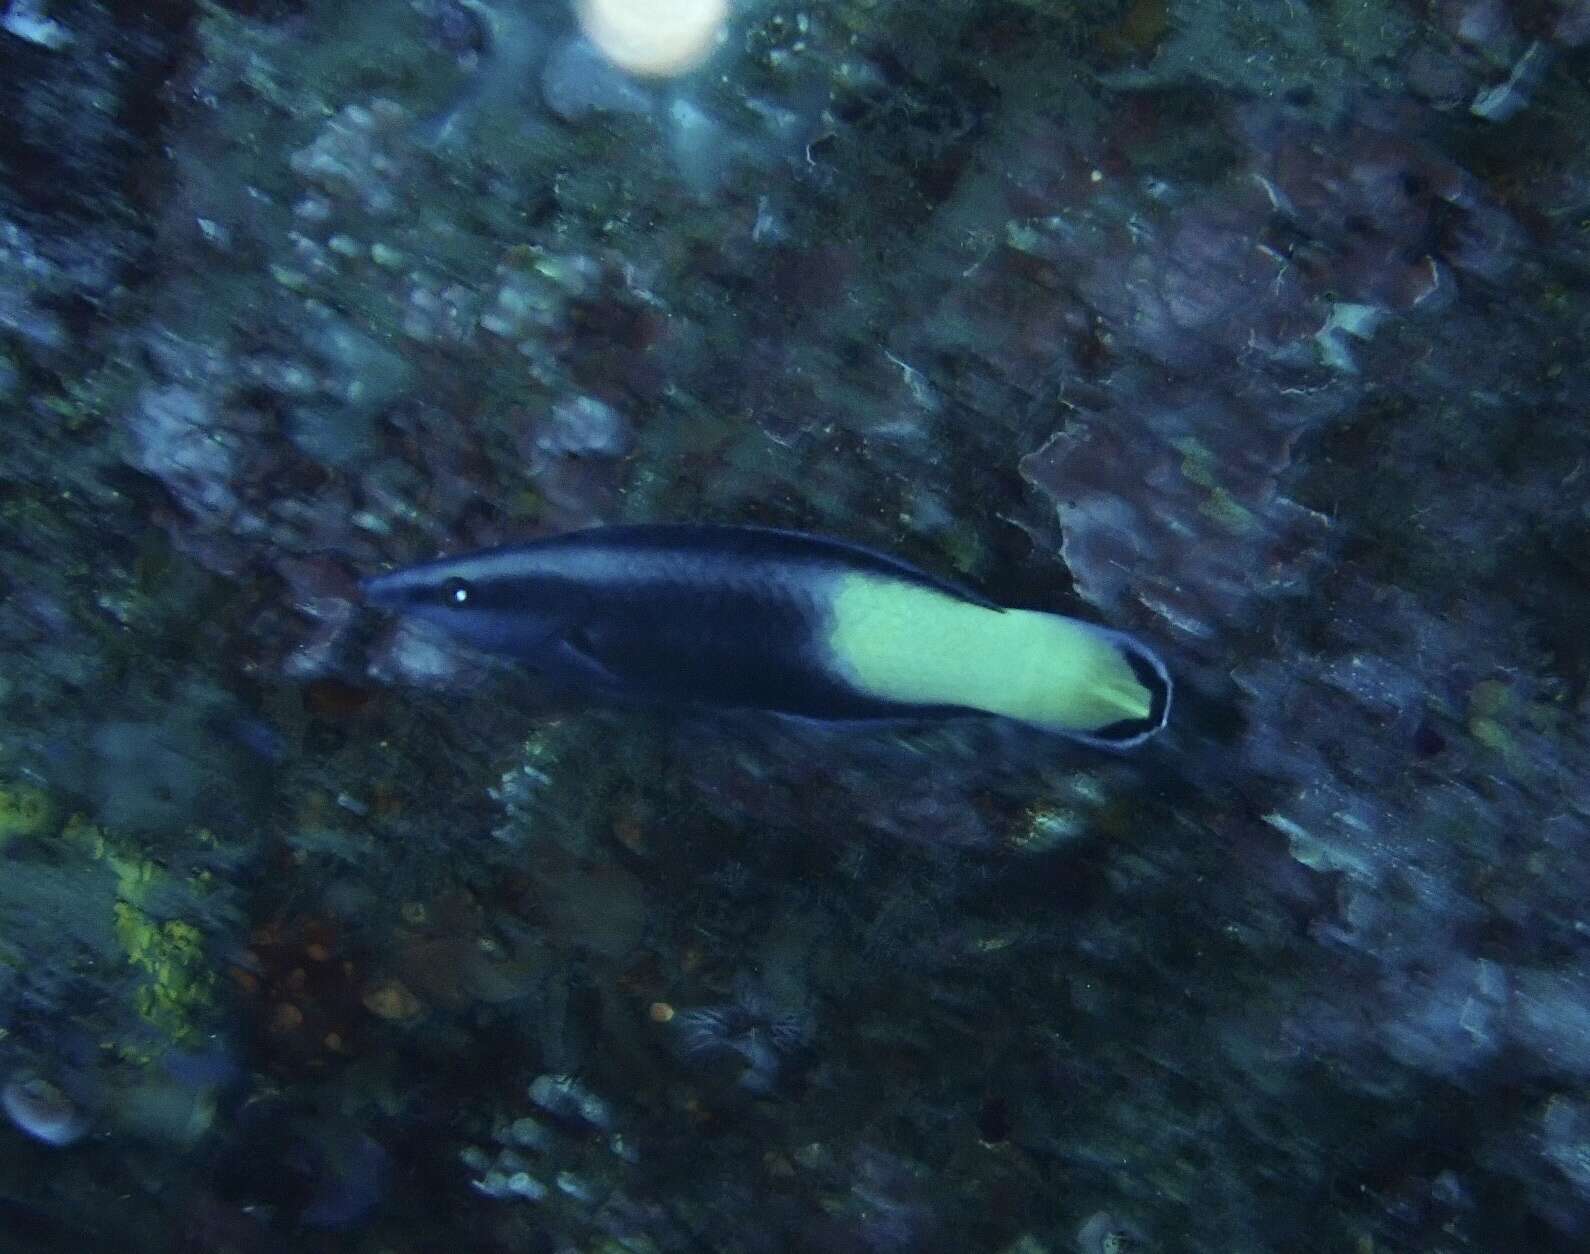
(672, 900)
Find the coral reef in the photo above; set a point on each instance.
(1257, 330)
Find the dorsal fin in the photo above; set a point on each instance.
(777, 542)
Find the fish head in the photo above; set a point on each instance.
(487, 600)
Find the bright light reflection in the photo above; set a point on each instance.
(657, 38)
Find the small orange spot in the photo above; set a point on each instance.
(1140, 30)
(631, 834)
(317, 952)
(660, 1012)
(333, 1042)
(333, 699)
(286, 1018)
(385, 803)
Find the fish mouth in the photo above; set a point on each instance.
(386, 591)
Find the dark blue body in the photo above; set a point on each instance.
(722, 616)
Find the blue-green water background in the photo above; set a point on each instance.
(1256, 328)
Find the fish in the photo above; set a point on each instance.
(797, 625)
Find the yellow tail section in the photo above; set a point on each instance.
(900, 642)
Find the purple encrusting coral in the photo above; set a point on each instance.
(1256, 330)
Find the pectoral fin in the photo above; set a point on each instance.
(573, 655)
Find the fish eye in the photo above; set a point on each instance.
(455, 591)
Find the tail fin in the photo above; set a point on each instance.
(1150, 672)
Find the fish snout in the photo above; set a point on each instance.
(391, 591)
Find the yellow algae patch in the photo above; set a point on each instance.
(24, 811)
(178, 987)
(179, 983)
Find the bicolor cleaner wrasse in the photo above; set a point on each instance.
(795, 624)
